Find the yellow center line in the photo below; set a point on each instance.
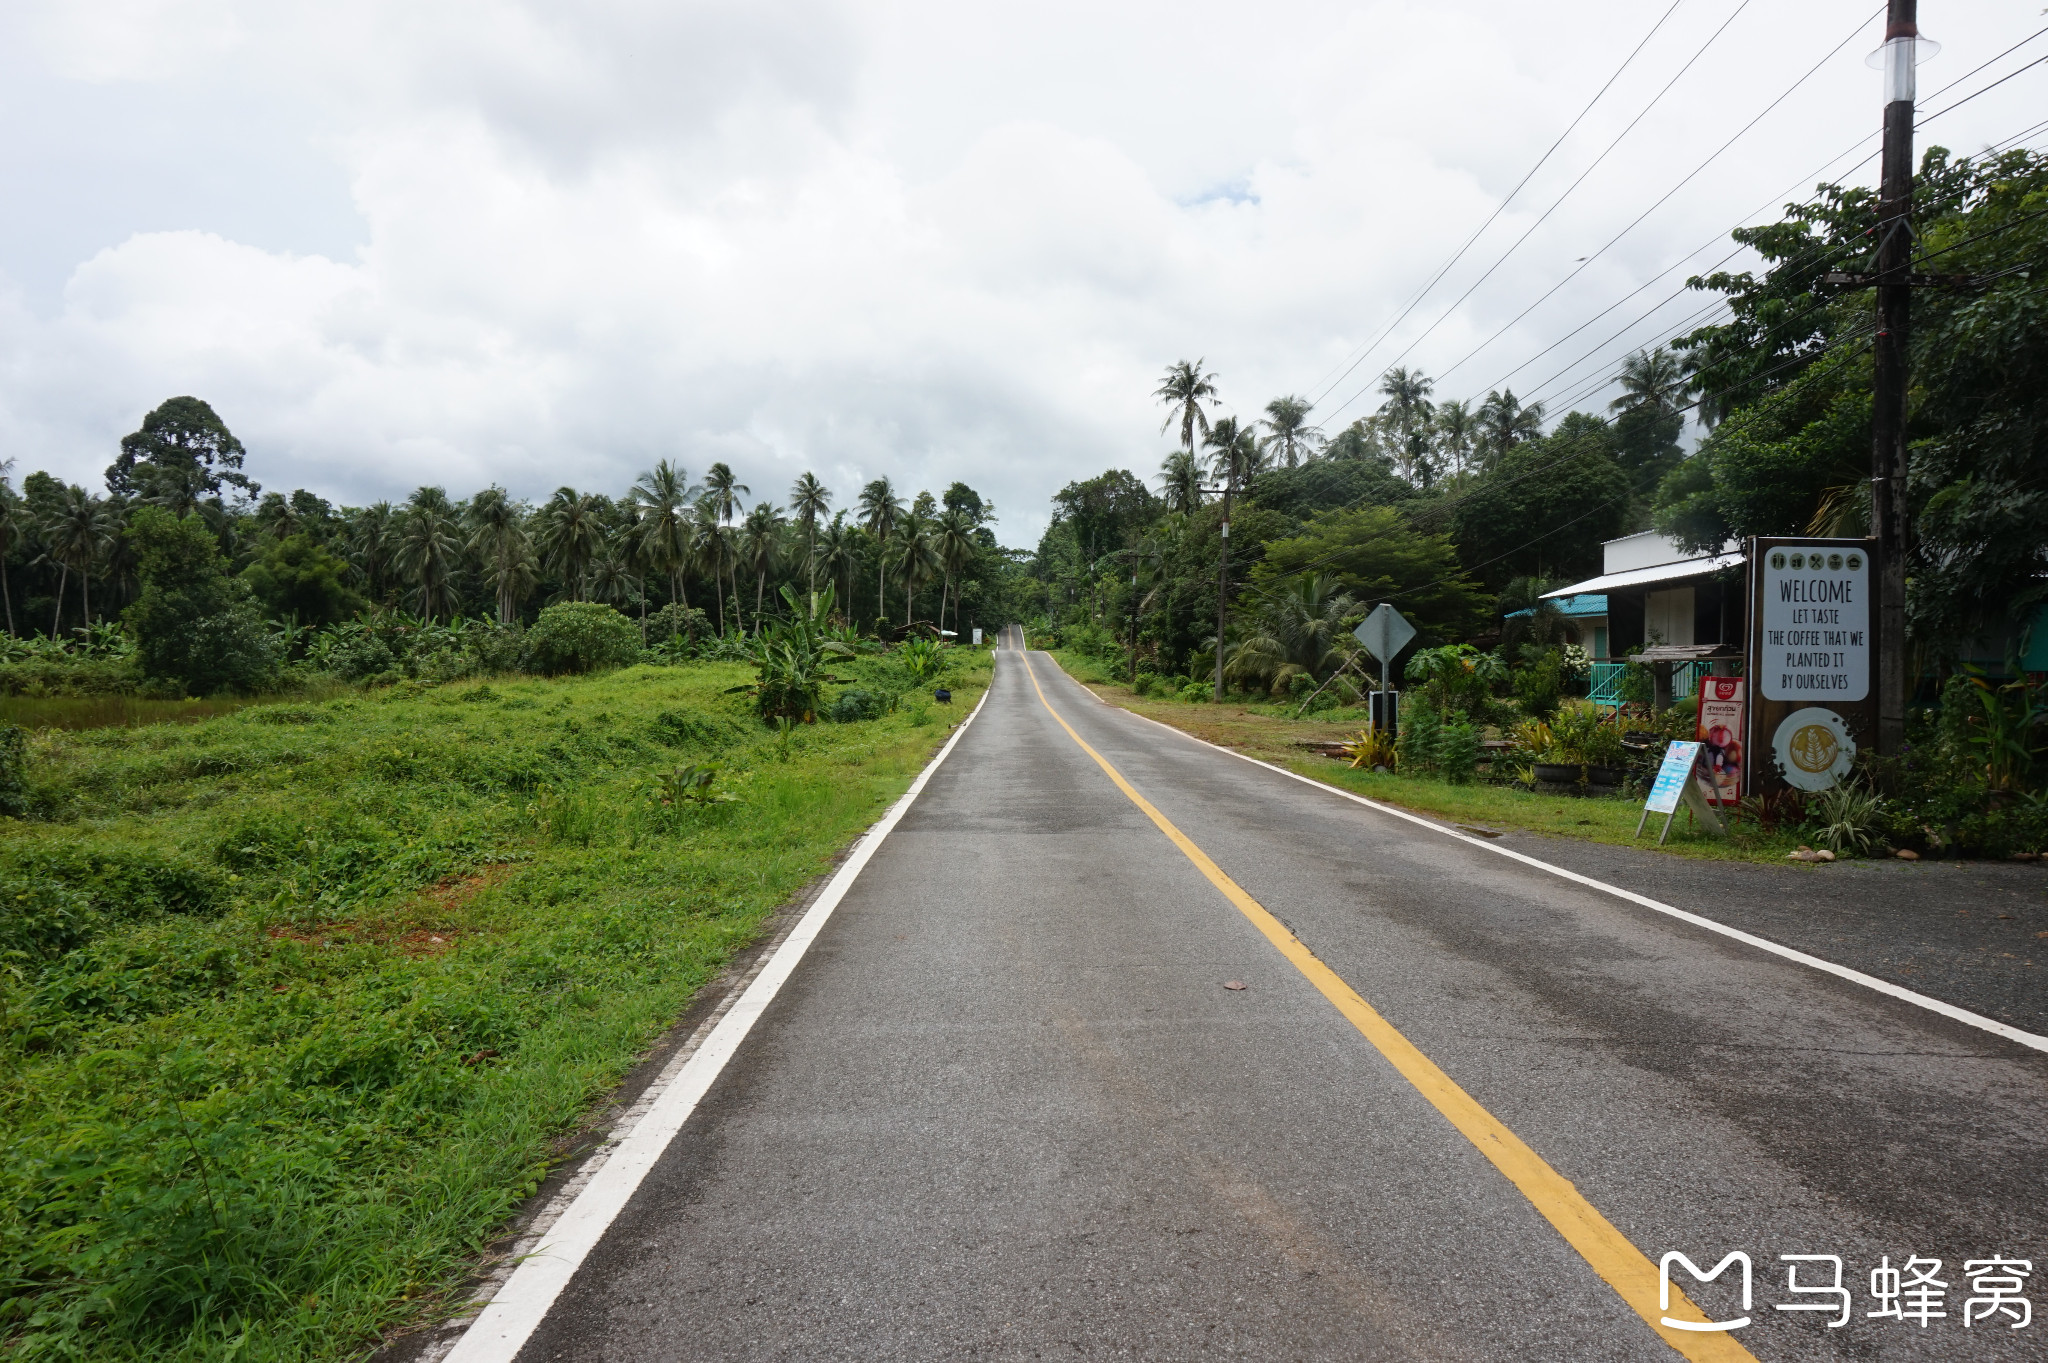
(1624, 1267)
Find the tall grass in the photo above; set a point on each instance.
(295, 1007)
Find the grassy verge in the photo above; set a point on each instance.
(1272, 734)
(297, 1002)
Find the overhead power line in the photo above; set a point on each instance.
(1690, 176)
(1459, 254)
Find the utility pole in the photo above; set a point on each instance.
(1888, 510)
(1223, 571)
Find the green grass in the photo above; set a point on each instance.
(298, 1003)
(1272, 734)
(100, 712)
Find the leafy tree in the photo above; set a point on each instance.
(1788, 376)
(1373, 554)
(193, 625)
(1456, 431)
(964, 499)
(298, 579)
(183, 454)
(1105, 511)
(13, 525)
(668, 534)
(723, 491)
(1330, 484)
(1184, 390)
(917, 557)
(1544, 509)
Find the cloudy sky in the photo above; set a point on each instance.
(400, 241)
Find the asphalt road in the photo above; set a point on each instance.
(1007, 1108)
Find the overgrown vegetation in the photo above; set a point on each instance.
(297, 1001)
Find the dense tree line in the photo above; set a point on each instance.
(1456, 511)
(181, 517)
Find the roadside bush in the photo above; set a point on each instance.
(1847, 820)
(580, 636)
(854, 704)
(1429, 744)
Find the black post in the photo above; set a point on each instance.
(1223, 571)
(1888, 511)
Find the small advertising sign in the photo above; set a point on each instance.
(1671, 778)
(1721, 738)
(1675, 784)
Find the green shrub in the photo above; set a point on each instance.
(580, 636)
(855, 703)
(1847, 820)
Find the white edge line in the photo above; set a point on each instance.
(501, 1330)
(1932, 1005)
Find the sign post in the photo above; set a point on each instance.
(1675, 783)
(1384, 634)
(1811, 702)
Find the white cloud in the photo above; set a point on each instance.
(933, 241)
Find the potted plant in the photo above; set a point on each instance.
(1583, 750)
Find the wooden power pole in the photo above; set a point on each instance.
(1890, 523)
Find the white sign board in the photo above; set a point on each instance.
(977, 638)
(1669, 789)
(1384, 633)
(1816, 624)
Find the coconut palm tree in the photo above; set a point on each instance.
(917, 558)
(498, 537)
(1505, 423)
(711, 549)
(668, 534)
(835, 553)
(75, 535)
(372, 540)
(1287, 430)
(724, 490)
(760, 548)
(954, 541)
(570, 535)
(1653, 382)
(881, 509)
(1455, 427)
(1299, 630)
(428, 545)
(1180, 481)
(1408, 411)
(1184, 388)
(809, 499)
(1237, 458)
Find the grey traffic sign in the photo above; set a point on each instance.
(1384, 633)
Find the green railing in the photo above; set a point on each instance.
(1606, 681)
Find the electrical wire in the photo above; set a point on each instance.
(1459, 254)
(1661, 201)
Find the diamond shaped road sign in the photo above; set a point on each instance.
(1384, 633)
